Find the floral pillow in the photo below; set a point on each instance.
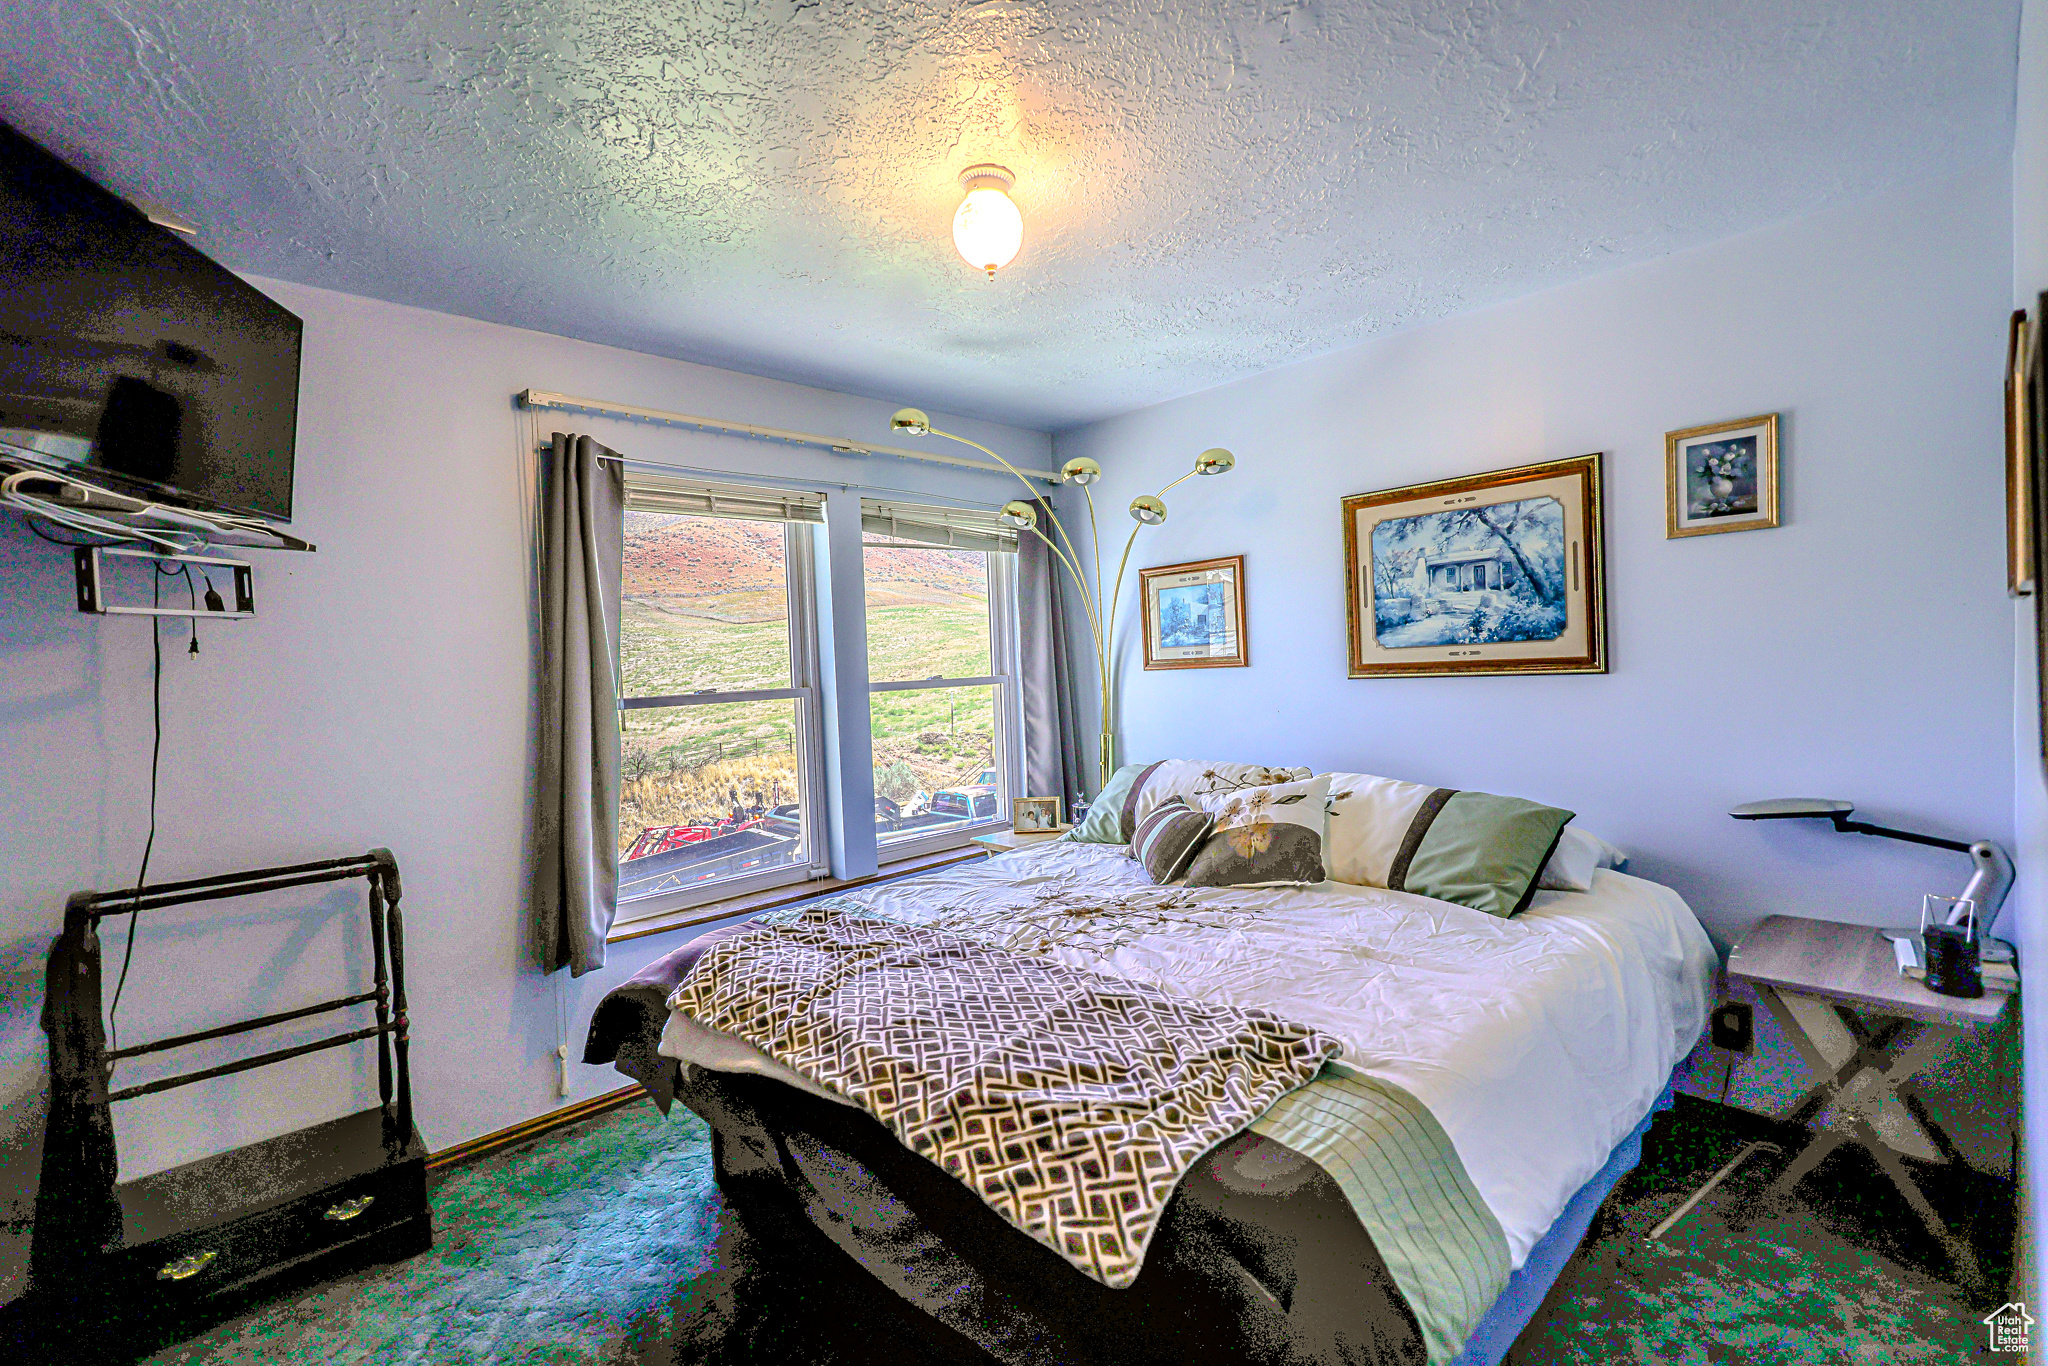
(1136, 789)
(1268, 836)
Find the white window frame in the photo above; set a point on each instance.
(1002, 641)
(798, 565)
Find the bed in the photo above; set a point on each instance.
(1490, 1080)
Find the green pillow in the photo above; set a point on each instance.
(1106, 822)
(1477, 850)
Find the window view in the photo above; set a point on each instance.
(932, 700)
(711, 723)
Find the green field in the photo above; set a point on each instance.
(688, 764)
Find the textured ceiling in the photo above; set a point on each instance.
(1208, 191)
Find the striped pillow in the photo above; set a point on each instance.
(1166, 840)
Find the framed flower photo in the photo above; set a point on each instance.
(1194, 614)
(1721, 477)
(1498, 573)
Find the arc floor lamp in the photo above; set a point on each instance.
(1147, 509)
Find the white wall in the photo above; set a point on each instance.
(381, 696)
(2030, 791)
(1862, 650)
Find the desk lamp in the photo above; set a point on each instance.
(1990, 879)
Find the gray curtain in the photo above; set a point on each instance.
(1052, 745)
(582, 535)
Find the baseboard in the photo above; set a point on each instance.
(534, 1128)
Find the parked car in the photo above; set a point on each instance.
(965, 803)
(888, 815)
(786, 819)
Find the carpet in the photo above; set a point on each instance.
(608, 1243)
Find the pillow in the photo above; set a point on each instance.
(1477, 850)
(1368, 817)
(1471, 848)
(1579, 851)
(1108, 821)
(1169, 837)
(1133, 790)
(1270, 836)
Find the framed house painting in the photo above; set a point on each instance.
(1498, 573)
(1194, 614)
(1721, 477)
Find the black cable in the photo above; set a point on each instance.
(28, 520)
(156, 749)
(1727, 1077)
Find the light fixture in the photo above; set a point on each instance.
(987, 227)
(1147, 509)
(1990, 869)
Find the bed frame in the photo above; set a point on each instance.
(1231, 1276)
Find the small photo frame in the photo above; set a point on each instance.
(1194, 614)
(1721, 477)
(1034, 815)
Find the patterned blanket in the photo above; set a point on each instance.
(1070, 1102)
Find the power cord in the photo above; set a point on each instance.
(156, 749)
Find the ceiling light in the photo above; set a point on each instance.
(987, 227)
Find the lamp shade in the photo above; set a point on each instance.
(1792, 808)
(1148, 509)
(912, 420)
(1215, 460)
(1080, 470)
(987, 228)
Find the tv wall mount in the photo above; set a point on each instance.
(92, 592)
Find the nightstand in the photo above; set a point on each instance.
(1818, 977)
(1003, 841)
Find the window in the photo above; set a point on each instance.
(720, 755)
(941, 613)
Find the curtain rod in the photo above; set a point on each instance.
(911, 498)
(537, 398)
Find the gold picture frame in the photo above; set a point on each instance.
(1194, 614)
(1035, 815)
(1499, 573)
(2021, 567)
(1721, 477)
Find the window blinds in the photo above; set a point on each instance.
(957, 528)
(652, 492)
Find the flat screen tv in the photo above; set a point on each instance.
(132, 357)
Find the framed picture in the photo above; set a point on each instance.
(1498, 573)
(1721, 477)
(1194, 615)
(1030, 815)
(2034, 367)
(2020, 558)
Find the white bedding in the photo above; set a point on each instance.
(1537, 1042)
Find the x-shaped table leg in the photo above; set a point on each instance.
(1858, 1087)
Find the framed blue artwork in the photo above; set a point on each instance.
(1498, 573)
(1194, 614)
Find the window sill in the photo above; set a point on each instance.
(788, 893)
